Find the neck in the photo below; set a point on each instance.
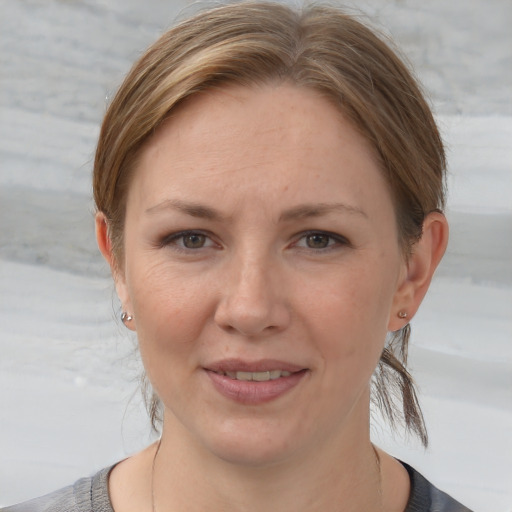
(344, 476)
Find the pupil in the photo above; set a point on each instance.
(194, 241)
(317, 241)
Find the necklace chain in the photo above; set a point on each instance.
(153, 505)
(379, 473)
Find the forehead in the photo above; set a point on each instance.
(267, 139)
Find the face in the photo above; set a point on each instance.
(262, 269)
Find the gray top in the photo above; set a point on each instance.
(91, 495)
(86, 495)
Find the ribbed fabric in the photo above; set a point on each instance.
(86, 495)
(99, 493)
(425, 497)
(91, 495)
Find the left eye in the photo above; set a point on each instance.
(319, 240)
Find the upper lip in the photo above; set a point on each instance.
(262, 365)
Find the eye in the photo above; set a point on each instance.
(193, 240)
(188, 240)
(318, 240)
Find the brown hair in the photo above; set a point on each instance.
(317, 47)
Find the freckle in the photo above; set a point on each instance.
(286, 188)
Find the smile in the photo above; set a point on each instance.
(256, 376)
(254, 383)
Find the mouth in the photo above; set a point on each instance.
(252, 383)
(256, 376)
(259, 371)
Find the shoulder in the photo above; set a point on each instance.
(86, 495)
(425, 497)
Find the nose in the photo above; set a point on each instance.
(253, 299)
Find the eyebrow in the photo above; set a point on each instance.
(193, 209)
(303, 211)
(317, 210)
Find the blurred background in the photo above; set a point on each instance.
(69, 400)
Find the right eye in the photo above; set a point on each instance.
(188, 240)
(193, 240)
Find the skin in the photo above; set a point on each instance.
(269, 272)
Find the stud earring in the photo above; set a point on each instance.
(402, 314)
(126, 317)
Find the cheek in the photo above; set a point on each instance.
(169, 318)
(169, 308)
(359, 300)
(351, 313)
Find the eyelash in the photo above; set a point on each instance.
(172, 240)
(334, 241)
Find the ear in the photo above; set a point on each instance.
(105, 245)
(419, 269)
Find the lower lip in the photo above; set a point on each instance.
(253, 392)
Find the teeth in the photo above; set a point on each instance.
(258, 376)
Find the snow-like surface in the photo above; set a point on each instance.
(68, 371)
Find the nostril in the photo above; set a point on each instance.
(251, 303)
(255, 322)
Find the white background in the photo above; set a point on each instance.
(68, 373)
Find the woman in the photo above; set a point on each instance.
(269, 187)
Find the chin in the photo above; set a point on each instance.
(254, 446)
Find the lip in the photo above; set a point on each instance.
(253, 392)
(262, 365)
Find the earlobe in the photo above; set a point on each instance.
(105, 246)
(420, 267)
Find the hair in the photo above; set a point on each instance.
(319, 48)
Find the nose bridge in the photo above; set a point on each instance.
(255, 283)
(253, 300)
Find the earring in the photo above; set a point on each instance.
(402, 314)
(126, 317)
